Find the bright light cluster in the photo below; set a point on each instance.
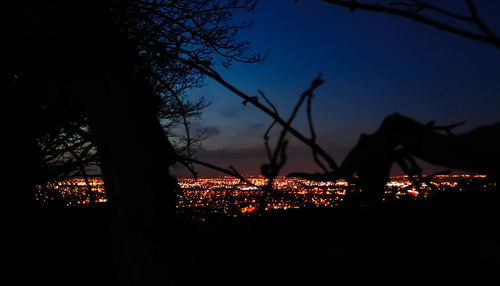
(232, 196)
(73, 192)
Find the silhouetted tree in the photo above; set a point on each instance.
(202, 35)
(101, 73)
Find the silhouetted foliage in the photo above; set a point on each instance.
(197, 31)
(399, 138)
(87, 84)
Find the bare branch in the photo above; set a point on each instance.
(489, 37)
(188, 166)
(268, 101)
(425, 5)
(266, 140)
(217, 77)
(231, 171)
(448, 128)
(280, 150)
(313, 134)
(475, 17)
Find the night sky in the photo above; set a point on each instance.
(373, 65)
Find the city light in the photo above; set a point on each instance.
(232, 196)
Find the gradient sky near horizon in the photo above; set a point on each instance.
(373, 65)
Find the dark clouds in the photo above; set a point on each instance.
(209, 130)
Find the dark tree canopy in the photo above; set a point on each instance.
(159, 42)
(86, 83)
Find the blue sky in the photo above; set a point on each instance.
(373, 65)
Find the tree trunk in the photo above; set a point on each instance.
(135, 156)
(67, 51)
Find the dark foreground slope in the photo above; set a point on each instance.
(453, 237)
(449, 238)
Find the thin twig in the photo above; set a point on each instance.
(81, 166)
(268, 101)
(426, 5)
(313, 134)
(489, 38)
(280, 145)
(481, 25)
(231, 171)
(266, 140)
(279, 158)
(188, 166)
(214, 75)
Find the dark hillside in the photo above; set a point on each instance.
(451, 237)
